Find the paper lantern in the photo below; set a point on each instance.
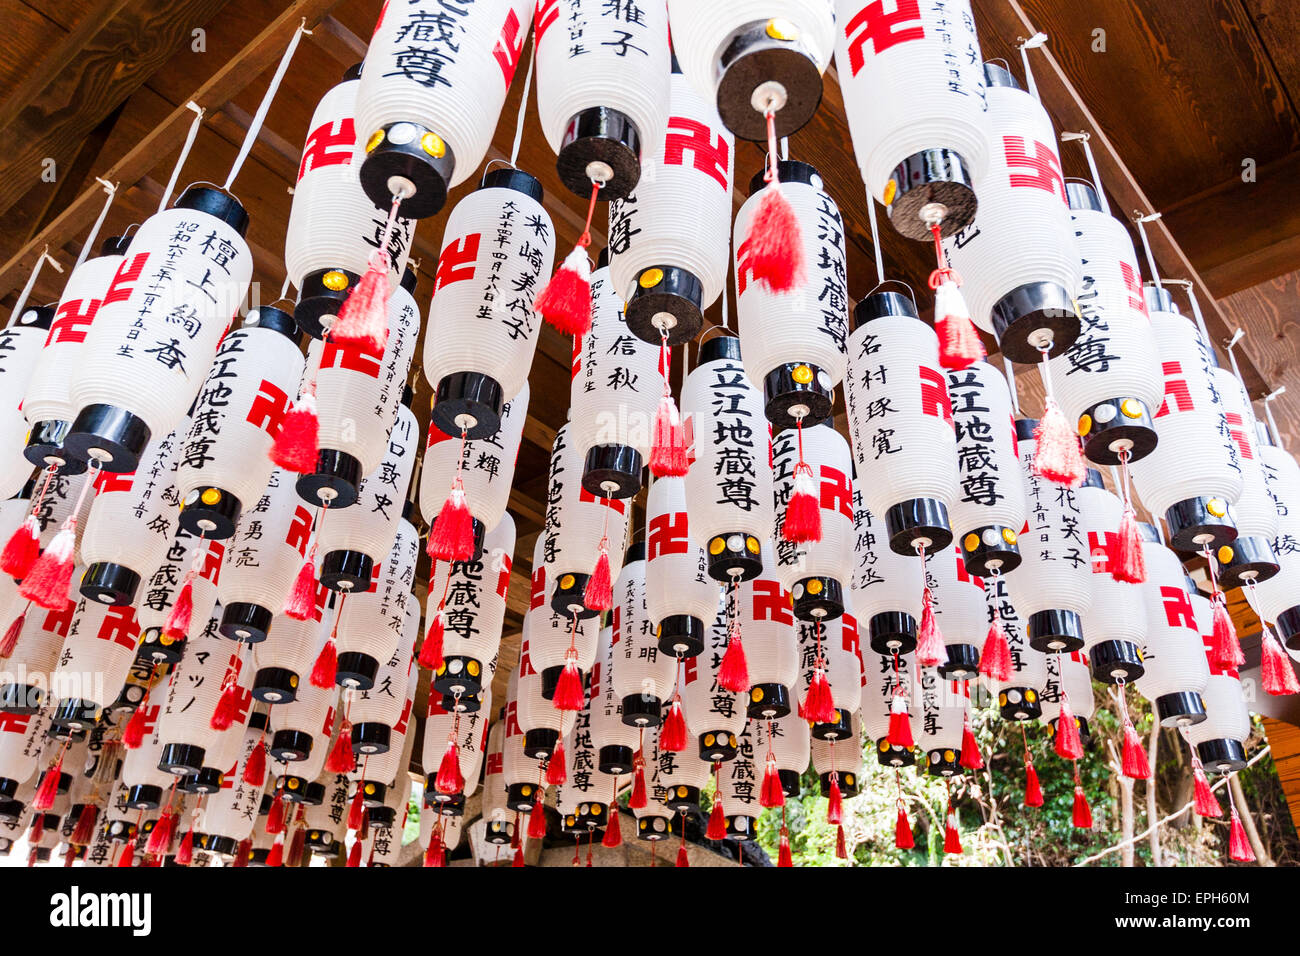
(95, 658)
(354, 539)
(669, 275)
(21, 345)
(739, 785)
(24, 683)
(487, 472)
(471, 597)
(771, 647)
(1250, 556)
(372, 618)
(1018, 260)
(359, 397)
(550, 634)
(470, 732)
(1020, 697)
(749, 55)
(497, 816)
(521, 773)
(1173, 652)
(132, 521)
(786, 741)
(1276, 596)
(960, 610)
(21, 737)
(224, 461)
(383, 844)
(643, 676)
(375, 710)
(430, 96)
(230, 815)
(884, 677)
(542, 724)
(333, 226)
(681, 776)
(715, 715)
(602, 90)
(1194, 474)
(837, 644)
(47, 405)
(680, 596)
(580, 529)
(325, 820)
(915, 98)
(989, 509)
(839, 759)
(146, 783)
(654, 821)
(900, 423)
(729, 489)
(1109, 380)
(944, 708)
(1054, 582)
(1220, 739)
(887, 585)
(303, 728)
(160, 590)
(616, 388)
(376, 773)
(586, 797)
(157, 330)
(615, 742)
(815, 573)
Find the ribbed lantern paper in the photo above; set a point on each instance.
(944, 704)
(1020, 696)
(472, 598)
(21, 739)
(915, 98)
(381, 705)
(497, 252)
(1276, 597)
(247, 393)
(24, 682)
(1115, 623)
(303, 727)
(842, 654)
(382, 769)
(739, 785)
(497, 816)
(231, 812)
(540, 721)
(432, 92)
(714, 715)
(1221, 737)
(184, 723)
(680, 596)
(886, 585)
(96, 656)
(159, 591)
(886, 676)
(521, 774)
(584, 799)
(1173, 652)
(146, 782)
(669, 275)
(615, 742)
(371, 621)
(471, 730)
(21, 344)
(771, 645)
(326, 820)
(1254, 512)
(681, 775)
(549, 635)
(842, 757)
(791, 748)
(960, 611)
(642, 675)
(156, 333)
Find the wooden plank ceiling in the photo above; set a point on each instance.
(1188, 94)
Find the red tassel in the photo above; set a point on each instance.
(22, 549)
(1057, 457)
(255, 766)
(1082, 812)
(638, 799)
(178, 621)
(48, 581)
(37, 831)
(452, 535)
(717, 829)
(614, 829)
(1225, 648)
(363, 320)
(1134, 763)
(841, 848)
(227, 705)
(128, 854)
(10, 640)
(185, 852)
(431, 649)
(537, 819)
(297, 442)
(566, 300)
(775, 242)
(354, 854)
(276, 856)
(568, 689)
(835, 803)
(1033, 792)
(49, 788)
(900, 724)
(160, 837)
(784, 857)
(450, 780)
(84, 832)
(930, 650)
(1238, 846)
(599, 593)
(1279, 675)
(133, 733)
(1068, 743)
(951, 838)
(301, 602)
(803, 513)
(733, 672)
(1127, 562)
(275, 816)
(959, 343)
(1206, 805)
(555, 770)
(672, 735)
(772, 794)
(341, 759)
(325, 671)
(240, 859)
(971, 758)
(818, 704)
(668, 450)
(903, 831)
(297, 846)
(995, 659)
(683, 860)
(519, 857)
(356, 810)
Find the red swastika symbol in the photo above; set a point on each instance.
(119, 290)
(537, 597)
(56, 622)
(1041, 170)
(1238, 433)
(1101, 547)
(212, 558)
(1178, 607)
(14, 723)
(667, 534)
(690, 672)
(1175, 388)
(299, 533)
(706, 156)
(744, 267)
(934, 395)
(357, 358)
(268, 408)
(548, 11)
(512, 720)
(771, 602)
(503, 576)
(119, 626)
(72, 320)
(616, 504)
(402, 721)
(456, 263)
(329, 144)
(508, 46)
(1133, 282)
(107, 481)
(884, 30)
(837, 492)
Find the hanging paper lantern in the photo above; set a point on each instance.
(1275, 597)
(714, 715)
(430, 97)
(900, 421)
(1220, 738)
(20, 349)
(356, 538)
(101, 642)
(470, 732)
(681, 776)
(21, 738)
(614, 741)
(1114, 625)
(1250, 556)
(755, 55)
(581, 532)
(497, 816)
(371, 617)
(680, 595)
(521, 772)
(667, 274)
(146, 783)
(1194, 474)
(643, 676)
(654, 821)
(887, 585)
(1054, 582)
(945, 705)
(132, 522)
(989, 509)
(288, 655)
(383, 844)
(325, 820)
(616, 389)
(550, 636)
(885, 677)
(729, 489)
(837, 644)
(1020, 697)
(487, 468)
(787, 740)
(960, 610)
(47, 405)
(1173, 652)
(842, 758)
(586, 797)
(303, 728)
(229, 815)
(915, 98)
(738, 787)
(1069, 678)
(224, 461)
(1018, 260)
(794, 341)
(815, 572)
(359, 396)
(375, 710)
(375, 773)
(160, 591)
(771, 647)
(542, 724)
(24, 689)
(157, 331)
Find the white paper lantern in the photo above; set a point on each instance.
(21, 345)
(550, 635)
(376, 772)
(1276, 597)
(584, 798)
(887, 585)
(714, 715)
(372, 621)
(1068, 674)
(521, 773)
(25, 679)
(944, 706)
(325, 820)
(21, 738)
(497, 816)
(900, 423)
(1173, 652)
(915, 99)
(729, 490)
(739, 784)
(615, 742)
(669, 275)
(1115, 623)
(679, 778)
(841, 758)
(159, 591)
(842, 656)
(1221, 737)
(960, 610)
(156, 333)
(471, 596)
(542, 724)
(303, 728)
(1020, 696)
(1250, 557)
(642, 675)
(771, 645)
(470, 731)
(231, 812)
(886, 676)
(375, 710)
(146, 783)
(94, 662)
(680, 596)
(787, 740)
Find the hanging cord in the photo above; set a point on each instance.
(875, 241)
(1268, 413)
(255, 127)
(1010, 369)
(25, 294)
(523, 103)
(111, 190)
(1141, 222)
(1082, 139)
(1196, 307)
(185, 152)
(1033, 43)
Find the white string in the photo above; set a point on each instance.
(1141, 221)
(1033, 43)
(785, 147)
(1268, 412)
(21, 303)
(284, 289)
(875, 240)
(1082, 139)
(1010, 369)
(523, 103)
(255, 126)
(185, 152)
(111, 190)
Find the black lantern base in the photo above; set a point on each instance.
(1288, 627)
(654, 828)
(540, 742)
(918, 522)
(767, 63)
(520, 797)
(613, 471)
(349, 571)
(681, 634)
(817, 598)
(768, 701)
(469, 402)
(682, 797)
(848, 784)
(374, 793)
(407, 159)
(991, 548)
(210, 512)
(569, 599)
(943, 762)
(615, 759)
(301, 790)
(1032, 316)
(841, 728)
(740, 828)
(602, 145)
(290, 746)
(1019, 703)
(75, 714)
(892, 632)
(718, 746)
(242, 621)
(735, 556)
(891, 755)
(1196, 522)
(1221, 755)
(1180, 709)
(1117, 425)
(459, 674)
(181, 758)
(797, 391)
(144, 797)
(1115, 661)
(157, 646)
(356, 669)
(321, 297)
(462, 704)
(112, 435)
(333, 483)
(1055, 630)
(21, 698)
(963, 662)
(110, 583)
(932, 184)
(1249, 558)
(45, 447)
(665, 299)
(642, 710)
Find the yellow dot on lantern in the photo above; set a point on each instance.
(891, 190)
(375, 139)
(597, 809)
(292, 783)
(779, 28)
(835, 717)
(802, 374)
(442, 668)
(1225, 554)
(709, 739)
(334, 280)
(473, 668)
(432, 144)
(1217, 507)
(883, 745)
(848, 779)
(756, 694)
(221, 779)
(1085, 424)
(752, 544)
(716, 546)
(949, 756)
(315, 834)
(566, 582)
(526, 789)
(370, 788)
(210, 496)
(682, 791)
(650, 278)
(1131, 408)
(166, 639)
(1002, 698)
(1009, 536)
(1031, 695)
(815, 586)
(972, 541)
(293, 680)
